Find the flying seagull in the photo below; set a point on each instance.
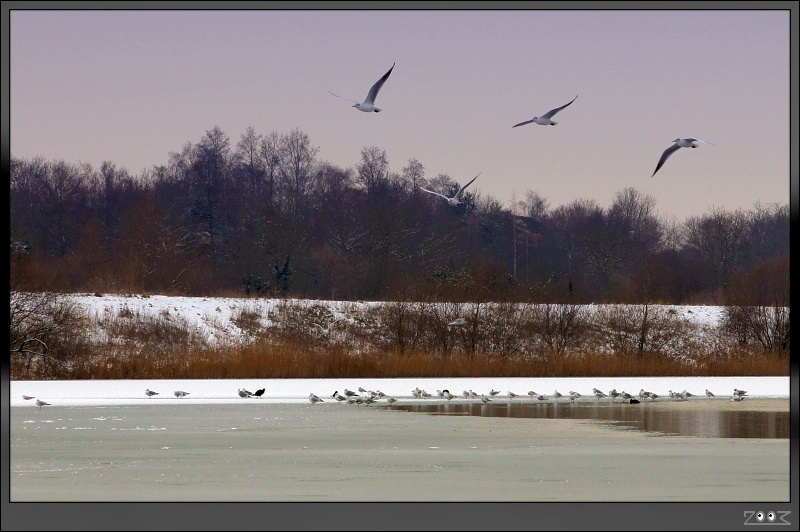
(545, 119)
(458, 322)
(688, 142)
(368, 105)
(150, 393)
(454, 201)
(28, 397)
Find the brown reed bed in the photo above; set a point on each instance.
(293, 359)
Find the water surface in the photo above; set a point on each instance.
(700, 423)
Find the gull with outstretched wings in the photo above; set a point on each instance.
(368, 105)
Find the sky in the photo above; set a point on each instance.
(133, 86)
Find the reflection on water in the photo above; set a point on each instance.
(705, 424)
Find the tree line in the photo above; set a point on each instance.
(267, 217)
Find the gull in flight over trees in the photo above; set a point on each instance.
(688, 142)
(546, 119)
(455, 201)
(368, 105)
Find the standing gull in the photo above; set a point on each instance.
(368, 105)
(244, 393)
(150, 393)
(688, 142)
(180, 394)
(41, 403)
(546, 119)
(314, 399)
(709, 394)
(455, 201)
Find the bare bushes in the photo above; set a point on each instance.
(317, 339)
(640, 330)
(248, 319)
(46, 334)
(558, 326)
(767, 327)
(129, 344)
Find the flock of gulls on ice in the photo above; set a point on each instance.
(368, 106)
(369, 396)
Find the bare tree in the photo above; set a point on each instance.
(298, 158)
(373, 169)
(720, 240)
(414, 173)
(249, 162)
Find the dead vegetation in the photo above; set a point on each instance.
(309, 339)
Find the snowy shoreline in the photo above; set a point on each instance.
(220, 391)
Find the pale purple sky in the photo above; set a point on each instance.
(133, 86)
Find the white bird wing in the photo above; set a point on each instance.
(343, 98)
(664, 156)
(465, 186)
(523, 123)
(436, 193)
(549, 114)
(701, 140)
(373, 91)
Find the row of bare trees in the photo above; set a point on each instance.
(267, 217)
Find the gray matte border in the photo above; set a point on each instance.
(393, 516)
